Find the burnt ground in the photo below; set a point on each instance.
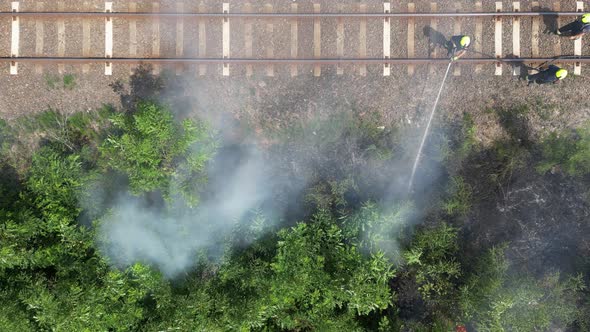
(544, 216)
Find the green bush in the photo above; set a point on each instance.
(431, 258)
(569, 151)
(310, 277)
(493, 299)
(157, 153)
(460, 197)
(331, 195)
(508, 157)
(379, 231)
(468, 140)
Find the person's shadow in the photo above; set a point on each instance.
(435, 38)
(551, 24)
(550, 21)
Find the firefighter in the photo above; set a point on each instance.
(457, 46)
(576, 29)
(552, 74)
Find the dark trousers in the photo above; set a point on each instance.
(572, 29)
(539, 78)
(450, 47)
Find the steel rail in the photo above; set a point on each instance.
(278, 15)
(321, 61)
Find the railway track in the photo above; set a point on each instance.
(240, 38)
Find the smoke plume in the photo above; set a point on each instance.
(170, 237)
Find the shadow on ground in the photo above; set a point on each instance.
(550, 21)
(436, 39)
(145, 84)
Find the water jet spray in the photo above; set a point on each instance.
(417, 160)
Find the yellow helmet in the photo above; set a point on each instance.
(466, 40)
(561, 74)
(585, 18)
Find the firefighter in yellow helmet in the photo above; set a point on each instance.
(576, 29)
(552, 74)
(457, 46)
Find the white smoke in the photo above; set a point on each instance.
(247, 178)
(169, 238)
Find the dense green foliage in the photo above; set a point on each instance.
(156, 153)
(347, 266)
(52, 276)
(313, 280)
(431, 258)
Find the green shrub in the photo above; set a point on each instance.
(331, 194)
(6, 137)
(69, 81)
(468, 132)
(508, 157)
(157, 153)
(495, 300)
(431, 257)
(68, 132)
(569, 151)
(460, 197)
